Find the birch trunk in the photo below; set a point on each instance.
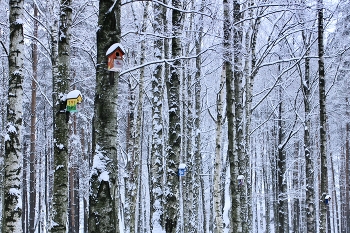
(218, 217)
(173, 88)
(197, 156)
(323, 119)
(346, 173)
(250, 71)
(12, 203)
(103, 198)
(186, 194)
(233, 160)
(75, 153)
(309, 163)
(281, 170)
(243, 159)
(136, 160)
(157, 125)
(61, 131)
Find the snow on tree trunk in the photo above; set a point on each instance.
(104, 195)
(310, 207)
(323, 120)
(157, 125)
(171, 192)
(240, 153)
(61, 133)
(12, 188)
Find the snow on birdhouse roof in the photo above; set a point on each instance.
(328, 197)
(240, 177)
(114, 47)
(182, 166)
(73, 94)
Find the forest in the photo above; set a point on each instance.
(175, 116)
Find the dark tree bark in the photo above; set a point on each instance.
(281, 170)
(171, 211)
(103, 198)
(323, 119)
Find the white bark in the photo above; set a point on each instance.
(218, 221)
(61, 131)
(12, 205)
(157, 126)
(323, 120)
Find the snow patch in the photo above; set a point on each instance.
(17, 72)
(19, 21)
(11, 128)
(16, 192)
(60, 146)
(62, 97)
(73, 94)
(59, 167)
(104, 176)
(114, 47)
(99, 165)
(7, 137)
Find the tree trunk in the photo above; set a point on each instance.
(157, 125)
(104, 197)
(218, 217)
(233, 160)
(61, 131)
(197, 155)
(32, 182)
(309, 161)
(25, 203)
(136, 159)
(283, 225)
(347, 173)
(12, 206)
(173, 91)
(75, 153)
(240, 153)
(323, 120)
(250, 71)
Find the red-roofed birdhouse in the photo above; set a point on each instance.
(115, 57)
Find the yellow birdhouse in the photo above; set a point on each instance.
(73, 99)
(115, 57)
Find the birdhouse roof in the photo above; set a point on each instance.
(115, 47)
(74, 94)
(240, 177)
(328, 197)
(182, 166)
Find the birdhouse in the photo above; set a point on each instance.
(73, 99)
(182, 169)
(240, 179)
(327, 199)
(115, 57)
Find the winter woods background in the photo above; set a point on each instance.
(251, 95)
